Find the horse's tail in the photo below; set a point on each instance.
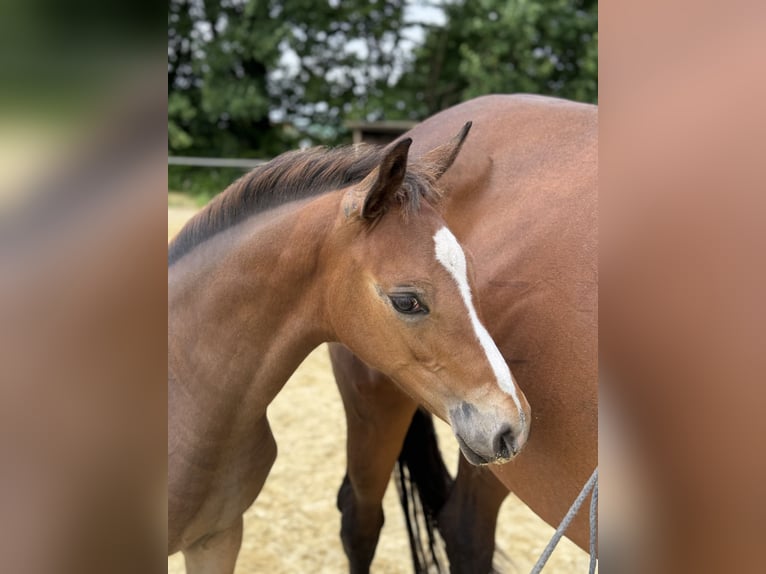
(424, 484)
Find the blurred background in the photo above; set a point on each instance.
(254, 78)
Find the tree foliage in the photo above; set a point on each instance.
(346, 52)
(505, 46)
(219, 55)
(253, 77)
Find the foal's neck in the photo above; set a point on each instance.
(245, 308)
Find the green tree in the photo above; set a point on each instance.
(234, 63)
(504, 46)
(253, 77)
(219, 55)
(346, 54)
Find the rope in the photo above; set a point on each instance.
(593, 523)
(592, 484)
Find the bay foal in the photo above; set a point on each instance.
(343, 245)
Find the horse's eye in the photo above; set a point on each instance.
(408, 304)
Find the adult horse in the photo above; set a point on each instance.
(343, 245)
(522, 199)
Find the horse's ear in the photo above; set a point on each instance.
(385, 180)
(441, 158)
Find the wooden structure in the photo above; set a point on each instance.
(378, 132)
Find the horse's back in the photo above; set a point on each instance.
(522, 194)
(522, 198)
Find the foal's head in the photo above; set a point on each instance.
(402, 298)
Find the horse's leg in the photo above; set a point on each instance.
(217, 553)
(468, 519)
(378, 416)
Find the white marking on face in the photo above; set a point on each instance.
(451, 256)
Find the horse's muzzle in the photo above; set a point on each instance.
(485, 439)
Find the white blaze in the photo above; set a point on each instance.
(451, 256)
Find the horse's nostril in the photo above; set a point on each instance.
(504, 443)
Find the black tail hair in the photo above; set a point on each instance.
(424, 484)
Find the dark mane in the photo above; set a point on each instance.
(291, 176)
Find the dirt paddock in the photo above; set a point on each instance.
(293, 525)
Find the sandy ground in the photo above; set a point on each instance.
(293, 525)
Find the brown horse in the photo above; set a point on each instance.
(522, 199)
(343, 245)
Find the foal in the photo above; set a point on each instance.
(316, 246)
